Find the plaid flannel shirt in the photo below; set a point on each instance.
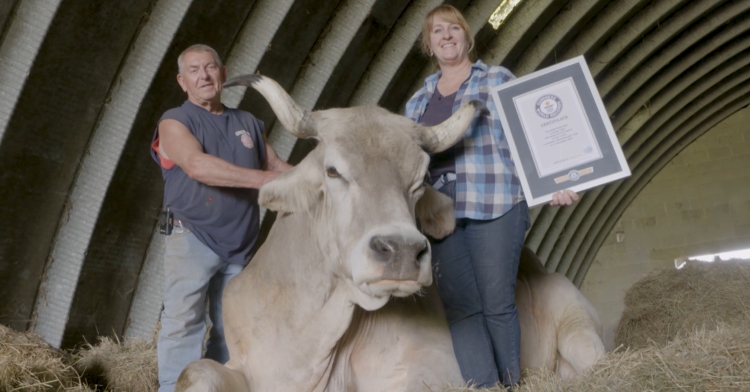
(487, 185)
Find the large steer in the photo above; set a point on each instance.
(311, 312)
(300, 316)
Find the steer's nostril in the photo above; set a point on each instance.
(400, 256)
(395, 249)
(383, 248)
(422, 250)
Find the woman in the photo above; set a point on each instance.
(475, 267)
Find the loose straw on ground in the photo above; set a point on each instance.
(29, 364)
(129, 366)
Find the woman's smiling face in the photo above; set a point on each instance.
(448, 41)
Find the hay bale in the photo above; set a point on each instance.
(669, 302)
(28, 363)
(129, 366)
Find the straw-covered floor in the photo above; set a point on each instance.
(702, 360)
(118, 366)
(28, 363)
(682, 330)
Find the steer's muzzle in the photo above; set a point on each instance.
(393, 260)
(401, 256)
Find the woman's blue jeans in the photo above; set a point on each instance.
(475, 271)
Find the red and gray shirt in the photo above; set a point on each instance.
(225, 219)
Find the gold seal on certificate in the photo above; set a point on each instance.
(558, 131)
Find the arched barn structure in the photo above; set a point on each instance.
(82, 84)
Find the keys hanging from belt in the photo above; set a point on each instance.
(168, 224)
(444, 179)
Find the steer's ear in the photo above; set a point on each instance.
(294, 191)
(435, 213)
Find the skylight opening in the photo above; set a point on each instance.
(502, 11)
(710, 258)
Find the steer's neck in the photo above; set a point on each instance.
(285, 313)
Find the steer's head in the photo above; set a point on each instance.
(364, 186)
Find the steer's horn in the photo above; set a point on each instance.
(440, 137)
(295, 119)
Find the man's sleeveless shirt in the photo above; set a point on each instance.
(225, 219)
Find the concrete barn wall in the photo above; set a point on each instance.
(698, 204)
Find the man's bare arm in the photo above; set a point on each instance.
(273, 161)
(177, 144)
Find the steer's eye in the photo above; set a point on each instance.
(332, 172)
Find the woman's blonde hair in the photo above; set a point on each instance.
(450, 14)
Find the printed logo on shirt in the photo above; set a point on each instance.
(245, 138)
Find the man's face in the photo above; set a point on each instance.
(201, 77)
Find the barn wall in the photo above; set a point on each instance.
(698, 204)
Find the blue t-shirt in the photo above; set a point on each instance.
(225, 219)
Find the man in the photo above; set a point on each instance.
(213, 160)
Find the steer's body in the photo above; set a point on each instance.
(311, 312)
(560, 329)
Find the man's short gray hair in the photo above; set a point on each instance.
(197, 48)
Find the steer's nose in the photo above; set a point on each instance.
(401, 256)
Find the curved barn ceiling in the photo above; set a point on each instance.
(82, 84)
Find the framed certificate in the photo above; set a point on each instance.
(558, 131)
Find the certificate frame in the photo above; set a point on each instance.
(558, 131)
